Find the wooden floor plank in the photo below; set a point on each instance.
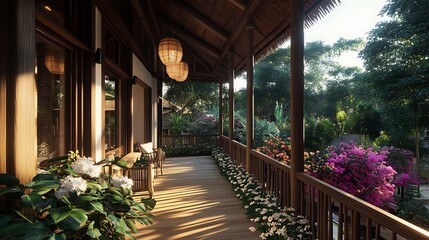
(195, 202)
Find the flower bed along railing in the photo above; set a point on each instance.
(331, 212)
(270, 217)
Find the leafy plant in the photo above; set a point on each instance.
(72, 199)
(188, 150)
(264, 130)
(177, 123)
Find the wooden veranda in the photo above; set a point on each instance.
(195, 202)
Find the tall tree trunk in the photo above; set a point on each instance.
(416, 140)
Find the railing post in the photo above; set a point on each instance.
(297, 100)
(249, 96)
(231, 101)
(220, 121)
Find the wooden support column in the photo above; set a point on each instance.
(20, 136)
(297, 100)
(249, 97)
(231, 101)
(220, 121)
(4, 72)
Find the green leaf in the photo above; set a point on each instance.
(149, 202)
(15, 189)
(88, 198)
(117, 207)
(121, 226)
(131, 225)
(4, 220)
(44, 176)
(59, 214)
(98, 207)
(121, 163)
(93, 232)
(61, 236)
(93, 185)
(36, 231)
(115, 191)
(71, 171)
(27, 201)
(7, 179)
(42, 187)
(37, 200)
(75, 221)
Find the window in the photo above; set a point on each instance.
(111, 112)
(50, 80)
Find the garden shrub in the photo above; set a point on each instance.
(413, 211)
(362, 173)
(264, 130)
(280, 150)
(188, 150)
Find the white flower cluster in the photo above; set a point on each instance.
(273, 221)
(71, 184)
(123, 182)
(86, 166)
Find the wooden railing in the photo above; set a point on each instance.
(192, 140)
(224, 144)
(332, 213)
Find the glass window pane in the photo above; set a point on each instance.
(111, 112)
(50, 100)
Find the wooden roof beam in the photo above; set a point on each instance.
(238, 4)
(144, 20)
(202, 20)
(250, 9)
(186, 36)
(206, 65)
(153, 17)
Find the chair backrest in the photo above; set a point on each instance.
(146, 147)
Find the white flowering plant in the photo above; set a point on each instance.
(72, 199)
(272, 220)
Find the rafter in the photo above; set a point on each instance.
(153, 17)
(186, 36)
(238, 4)
(200, 59)
(250, 9)
(150, 29)
(202, 20)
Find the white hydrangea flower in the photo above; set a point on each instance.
(87, 167)
(252, 229)
(71, 184)
(123, 182)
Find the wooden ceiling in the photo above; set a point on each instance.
(210, 29)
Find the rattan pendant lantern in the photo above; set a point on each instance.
(170, 51)
(178, 72)
(54, 61)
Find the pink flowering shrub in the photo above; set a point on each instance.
(402, 161)
(362, 173)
